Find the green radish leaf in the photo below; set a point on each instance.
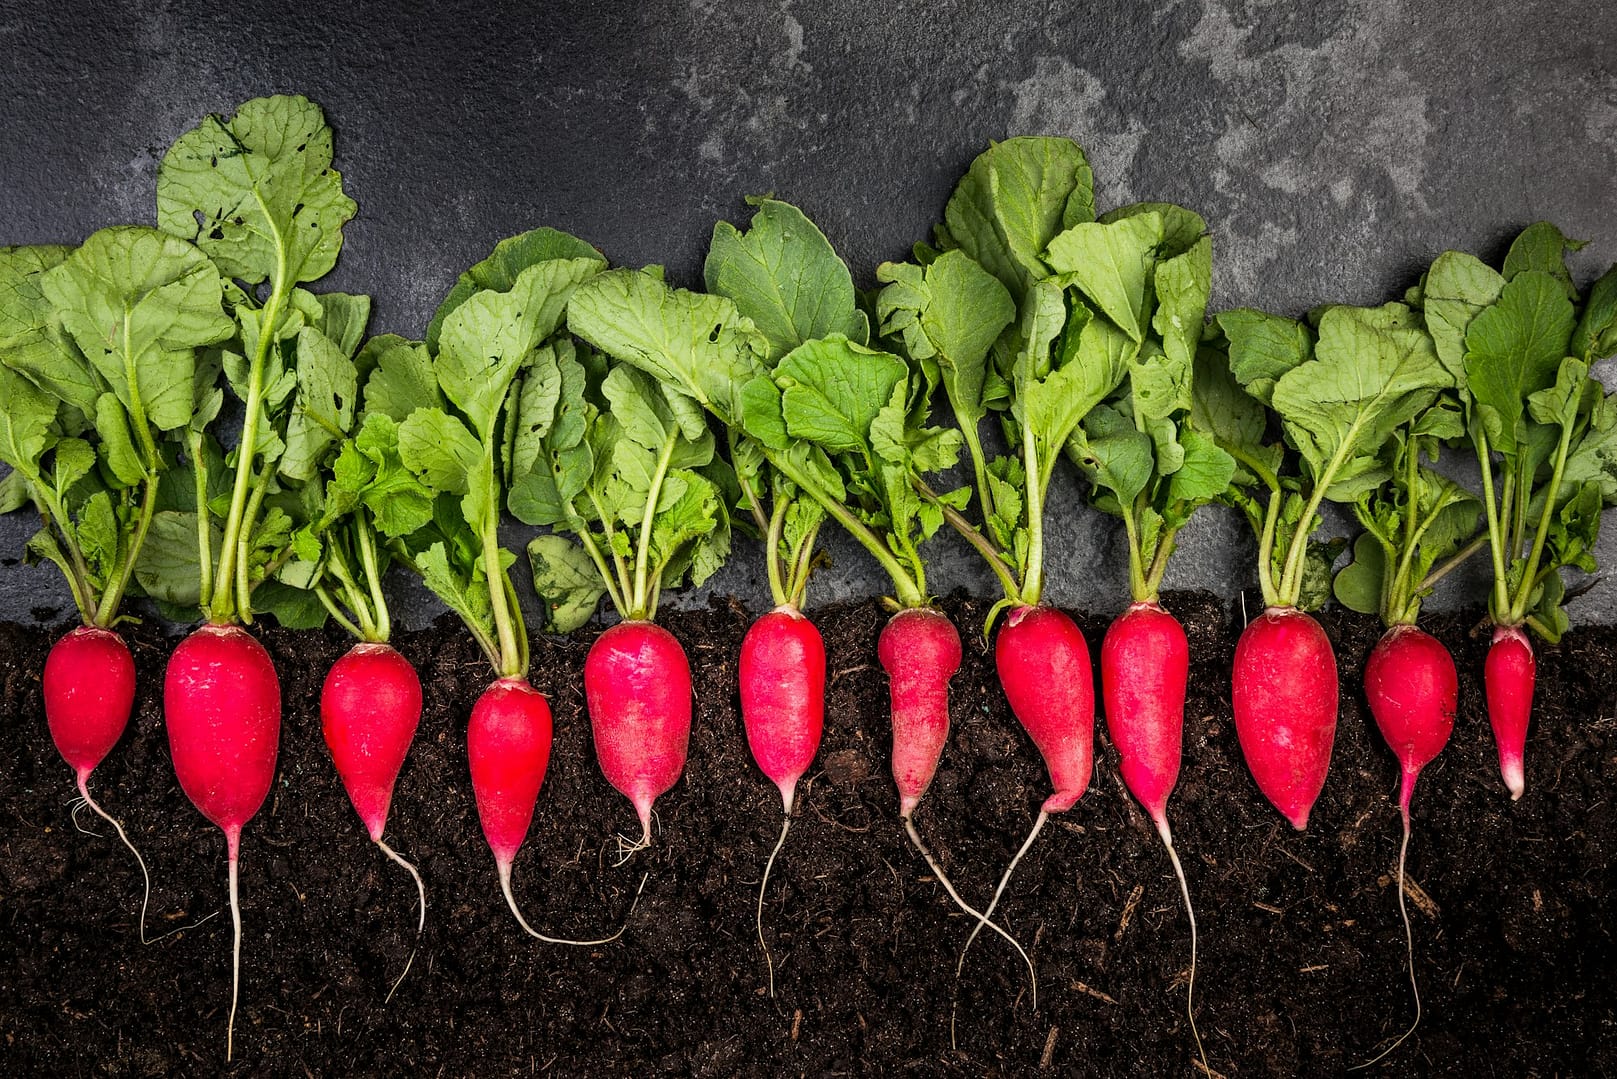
(1263, 348)
(139, 304)
(401, 379)
(508, 260)
(832, 391)
(323, 410)
(1016, 197)
(30, 339)
(783, 274)
(1514, 349)
(440, 450)
(257, 192)
(1541, 248)
(1111, 264)
(1358, 584)
(26, 415)
(169, 568)
(1458, 287)
(567, 580)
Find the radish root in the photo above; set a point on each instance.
(786, 825)
(233, 844)
(505, 886)
(421, 922)
(943, 879)
(1409, 939)
(145, 877)
(982, 920)
(1190, 912)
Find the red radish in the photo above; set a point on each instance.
(919, 649)
(222, 702)
(782, 681)
(1413, 690)
(508, 748)
(89, 685)
(1508, 677)
(637, 682)
(1043, 663)
(1284, 691)
(1144, 669)
(370, 707)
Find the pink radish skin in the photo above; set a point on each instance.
(370, 707)
(89, 687)
(1284, 692)
(1144, 669)
(508, 748)
(1413, 690)
(222, 704)
(637, 682)
(782, 681)
(920, 651)
(1043, 663)
(1508, 676)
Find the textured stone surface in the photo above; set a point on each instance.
(1334, 153)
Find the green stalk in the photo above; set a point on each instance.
(373, 578)
(220, 610)
(581, 530)
(970, 533)
(336, 612)
(802, 564)
(777, 586)
(1501, 599)
(509, 664)
(1266, 543)
(1159, 567)
(625, 585)
(1518, 609)
(979, 468)
(1033, 572)
(107, 613)
(1131, 530)
(642, 561)
(199, 473)
(909, 592)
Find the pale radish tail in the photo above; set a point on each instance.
(505, 886)
(1190, 912)
(982, 920)
(1409, 942)
(421, 920)
(145, 877)
(948, 886)
(784, 828)
(233, 850)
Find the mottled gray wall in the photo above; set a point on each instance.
(1335, 152)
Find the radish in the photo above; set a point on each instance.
(370, 706)
(508, 747)
(1284, 691)
(1342, 384)
(1524, 340)
(89, 686)
(1508, 677)
(222, 703)
(638, 685)
(1415, 529)
(782, 680)
(802, 396)
(1144, 669)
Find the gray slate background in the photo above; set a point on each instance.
(1335, 151)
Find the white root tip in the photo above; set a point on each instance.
(421, 920)
(505, 886)
(763, 884)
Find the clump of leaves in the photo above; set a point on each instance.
(1519, 343)
(1341, 384)
(103, 366)
(256, 193)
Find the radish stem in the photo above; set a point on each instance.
(421, 921)
(505, 886)
(785, 826)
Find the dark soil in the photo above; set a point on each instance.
(1302, 962)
